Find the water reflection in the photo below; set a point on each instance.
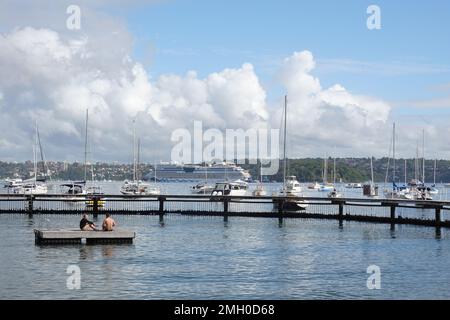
(86, 252)
(108, 251)
(244, 258)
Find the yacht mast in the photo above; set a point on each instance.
(371, 168)
(434, 173)
(406, 181)
(416, 162)
(134, 150)
(334, 170)
(85, 145)
(423, 156)
(393, 150)
(284, 144)
(138, 159)
(35, 154)
(41, 153)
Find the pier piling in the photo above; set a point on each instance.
(30, 202)
(161, 209)
(343, 209)
(225, 210)
(438, 216)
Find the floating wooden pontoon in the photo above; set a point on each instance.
(74, 236)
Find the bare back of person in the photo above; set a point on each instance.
(108, 224)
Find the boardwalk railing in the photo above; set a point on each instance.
(430, 213)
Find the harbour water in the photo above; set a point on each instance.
(244, 258)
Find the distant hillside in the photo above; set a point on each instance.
(357, 170)
(306, 170)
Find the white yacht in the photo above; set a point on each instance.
(353, 185)
(314, 186)
(259, 190)
(335, 194)
(11, 183)
(73, 191)
(237, 188)
(293, 186)
(34, 188)
(139, 188)
(370, 189)
(202, 188)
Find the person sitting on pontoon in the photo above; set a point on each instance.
(86, 225)
(108, 223)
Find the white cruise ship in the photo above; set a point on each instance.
(191, 172)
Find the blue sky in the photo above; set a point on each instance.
(399, 73)
(402, 61)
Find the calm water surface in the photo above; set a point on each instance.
(247, 258)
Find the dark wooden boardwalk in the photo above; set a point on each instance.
(389, 211)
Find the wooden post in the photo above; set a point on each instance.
(341, 214)
(225, 209)
(280, 211)
(393, 217)
(161, 209)
(393, 213)
(341, 210)
(95, 206)
(30, 200)
(438, 216)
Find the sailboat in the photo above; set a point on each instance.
(314, 186)
(325, 186)
(370, 189)
(433, 188)
(259, 191)
(421, 191)
(203, 187)
(334, 193)
(136, 186)
(291, 187)
(77, 189)
(397, 192)
(34, 186)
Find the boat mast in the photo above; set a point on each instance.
(423, 156)
(371, 168)
(138, 159)
(40, 151)
(260, 172)
(85, 145)
(416, 162)
(334, 170)
(434, 173)
(406, 181)
(35, 154)
(284, 144)
(393, 151)
(134, 150)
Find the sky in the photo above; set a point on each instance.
(228, 64)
